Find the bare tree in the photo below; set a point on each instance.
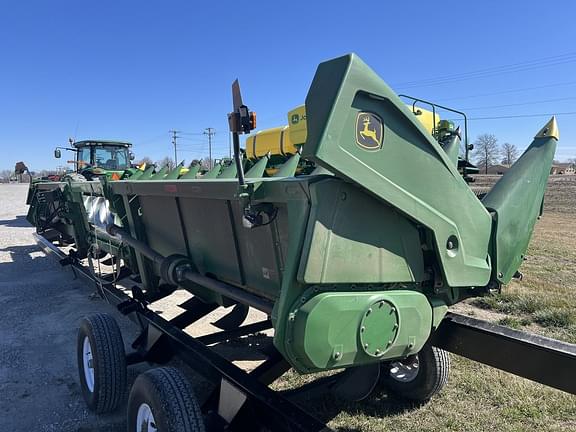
(486, 151)
(166, 162)
(509, 153)
(5, 175)
(145, 160)
(205, 163)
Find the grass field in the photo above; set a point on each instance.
(477, 397)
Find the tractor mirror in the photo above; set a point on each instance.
(57, 154)
(131, 156)
(470, 146)
(20, 168)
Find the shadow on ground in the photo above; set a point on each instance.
(19, 222)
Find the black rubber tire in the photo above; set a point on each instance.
(433, 371)
(171, 399)
(109, 361)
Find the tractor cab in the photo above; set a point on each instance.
(96, 158)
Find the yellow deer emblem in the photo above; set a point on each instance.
(368, 131)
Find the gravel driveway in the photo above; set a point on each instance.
(41, 306)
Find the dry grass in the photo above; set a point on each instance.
(545, 300)
(480, 398)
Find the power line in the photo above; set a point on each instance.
(508, 91)
(450, 81)
(193, 144)
(502, 68)
(493, 71)
(523, 116)
(190, 139)
(520, 103)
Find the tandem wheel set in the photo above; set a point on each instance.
(163, 398)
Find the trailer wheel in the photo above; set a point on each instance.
(418, 377)
(101, 362)
(162, 400)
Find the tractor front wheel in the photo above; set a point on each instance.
(418, 377)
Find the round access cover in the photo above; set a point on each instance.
(378, 328)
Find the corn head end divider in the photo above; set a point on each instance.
(354, 228)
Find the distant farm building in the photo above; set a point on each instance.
(563, 168)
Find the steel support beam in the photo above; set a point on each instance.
(538, 358)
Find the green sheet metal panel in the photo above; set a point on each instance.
(210, 220)
(174, 173)
(354, 238)
(137, 175)
(332, 330)
(258, 169)
(517, 200)
(160, 174)
(213, 173)
(360, 130)
(192, 173)
(161, 222)
(229, 171)
(262, 251)
(210, 237)
(147, 174)
(288, 168)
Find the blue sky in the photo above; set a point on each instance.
(134, 70)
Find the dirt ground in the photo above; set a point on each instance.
(42, 305)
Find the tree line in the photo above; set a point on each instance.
(487, 152)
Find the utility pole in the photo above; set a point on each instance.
(210, 132)
(175, 136)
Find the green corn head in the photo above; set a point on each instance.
(360, 257)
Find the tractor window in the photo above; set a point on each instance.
(84, 158)
(111, 157)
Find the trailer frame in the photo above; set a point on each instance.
(544, 360)
(161, 339)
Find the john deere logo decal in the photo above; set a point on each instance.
(369, 131)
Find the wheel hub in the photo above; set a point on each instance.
(405, 370)
(88, 362)
(145, 419)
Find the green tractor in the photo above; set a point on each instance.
(64, 210)
(96, 158)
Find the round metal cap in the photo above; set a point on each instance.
(378, 328)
